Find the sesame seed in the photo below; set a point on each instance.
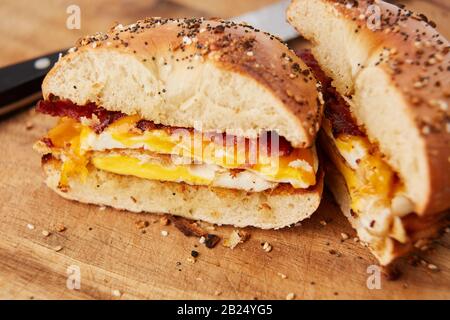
(426, 130)
(164, 233)
(344, 236)
(282, 275)
(441, 104)
(266, 247)
(433, 267)
(30, 226)
(419, 84)
(45, 233)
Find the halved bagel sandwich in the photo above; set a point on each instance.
(385, 73)
(208, 120)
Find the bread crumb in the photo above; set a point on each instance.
(30, 226)
(164, 233)
(141, 224)
(266, 247)
(235, 238)
(290, 296)
(164, 221)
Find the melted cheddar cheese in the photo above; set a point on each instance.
(371, 182)
(214, 165)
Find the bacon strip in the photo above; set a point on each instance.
(336, 108)
(65, 108)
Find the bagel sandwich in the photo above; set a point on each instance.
(204, 119)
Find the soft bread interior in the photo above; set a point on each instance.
(379, 106)
(274, 209)
(185, 94)
(340, 51)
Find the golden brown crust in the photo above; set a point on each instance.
(231, 46)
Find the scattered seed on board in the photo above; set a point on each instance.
(290, 296)
(116, 293)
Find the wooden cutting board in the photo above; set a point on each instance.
(118, 260)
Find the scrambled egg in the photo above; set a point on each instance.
(176, 155)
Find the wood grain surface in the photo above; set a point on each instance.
(117, 260)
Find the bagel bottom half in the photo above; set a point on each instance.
(277, 208)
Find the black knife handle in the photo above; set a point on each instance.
(20, 84)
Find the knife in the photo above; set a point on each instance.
(271, 19)
(20, 84)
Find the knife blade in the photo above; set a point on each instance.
(271, 19)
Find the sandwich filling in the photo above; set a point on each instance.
(378, 199)
(89, 135)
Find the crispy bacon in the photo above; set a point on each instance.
(65, 108)
(336, 108)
